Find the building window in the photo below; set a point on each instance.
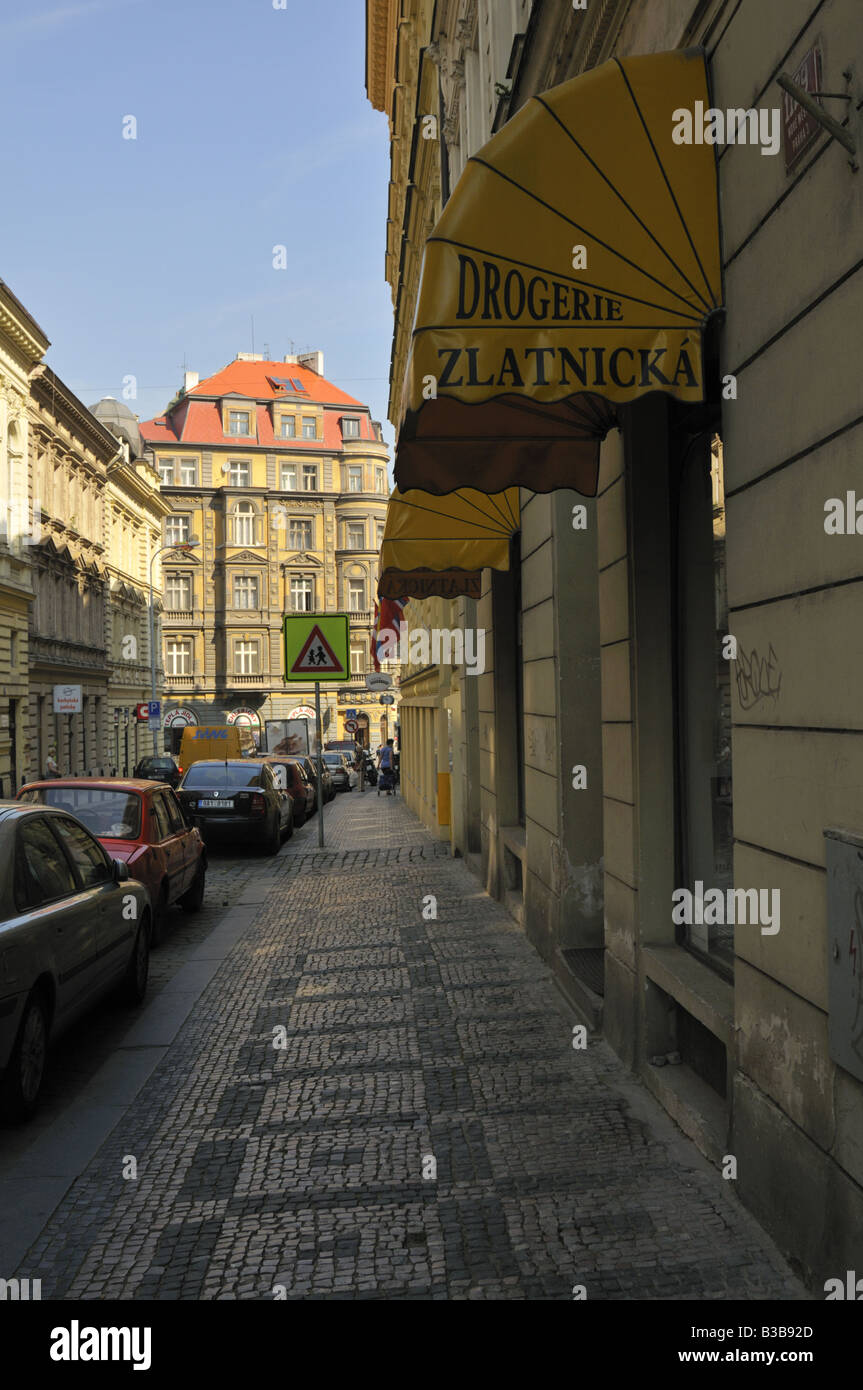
(288, 427)
(704, 699)
(166, 472)
(178, 657)
(301, 595)
(188, 472)
(310, 477)
(239, 474)
(300, 536)
(246, 658)
(238, 422)
(310, 428)
(289, 477)
(380, 480)
(178, 593)
(242, 527)
(350, 427)
(356, 535)
(245, 591)
(379, 531)
(176, 530)
(358, 660)
(355, 477)
(356, 595)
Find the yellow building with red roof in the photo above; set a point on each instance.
(282, 478)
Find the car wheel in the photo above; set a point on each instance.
(160, 916)
(25, 1072)
(193, 898)
(274, 842)
(134, 985)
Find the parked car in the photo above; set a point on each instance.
(73, 926)
(343, 775)
(290, 775)
(240, 798)
(310, 768)
(158, 769)
(142, 823)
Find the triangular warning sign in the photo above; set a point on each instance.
(316, 657)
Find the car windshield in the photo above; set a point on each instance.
(113, 815)
(334, 759)
(231, 776)
(161, 763)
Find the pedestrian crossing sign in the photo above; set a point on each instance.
(315, 647)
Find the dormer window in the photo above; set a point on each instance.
(238, 422)
(350, 427)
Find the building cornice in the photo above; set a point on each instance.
(20, 326)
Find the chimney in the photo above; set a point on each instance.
(190, 380)
(313, 360)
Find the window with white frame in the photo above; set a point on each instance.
(288, 427)
(178, 657)
(188, 472)
(310, 427)
(178, 593)
(379, 532)
(176, 530)
(302, 593)
(238, 422)
(289, 477)
(247, 657)
(300, 534)
(356, 535)
(239, 473)
(355, 477)
(310, 477)
(356, 595)
(350, 427)
(358, 658)
(245, 591)
(380, 480)
(166, 472)
(242, 528)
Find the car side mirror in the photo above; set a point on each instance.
(121, 871)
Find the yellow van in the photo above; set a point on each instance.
(222, 741)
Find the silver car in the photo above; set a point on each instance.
(73, 926)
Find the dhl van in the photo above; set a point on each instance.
(221, 741)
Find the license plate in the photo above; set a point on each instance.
(215, 805)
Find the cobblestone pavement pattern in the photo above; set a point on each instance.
(412, 1047)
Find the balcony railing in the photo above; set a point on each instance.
(361, 616)
(179, 682)
(176, 615)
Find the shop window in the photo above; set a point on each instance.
(705, 835)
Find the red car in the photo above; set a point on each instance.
(141, 823)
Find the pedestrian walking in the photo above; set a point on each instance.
(386, 781)
(51, 768)
(360, 765)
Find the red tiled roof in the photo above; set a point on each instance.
(194, 421)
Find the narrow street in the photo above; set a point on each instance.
(426, 1131)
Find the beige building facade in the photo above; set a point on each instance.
(22, 344)
(619, 749)
(282, 479)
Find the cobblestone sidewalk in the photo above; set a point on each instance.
(427, 1130)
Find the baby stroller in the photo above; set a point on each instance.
(386, 781)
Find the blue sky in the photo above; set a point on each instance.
(253, 130)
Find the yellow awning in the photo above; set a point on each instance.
(439, 545)
(573, 268)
